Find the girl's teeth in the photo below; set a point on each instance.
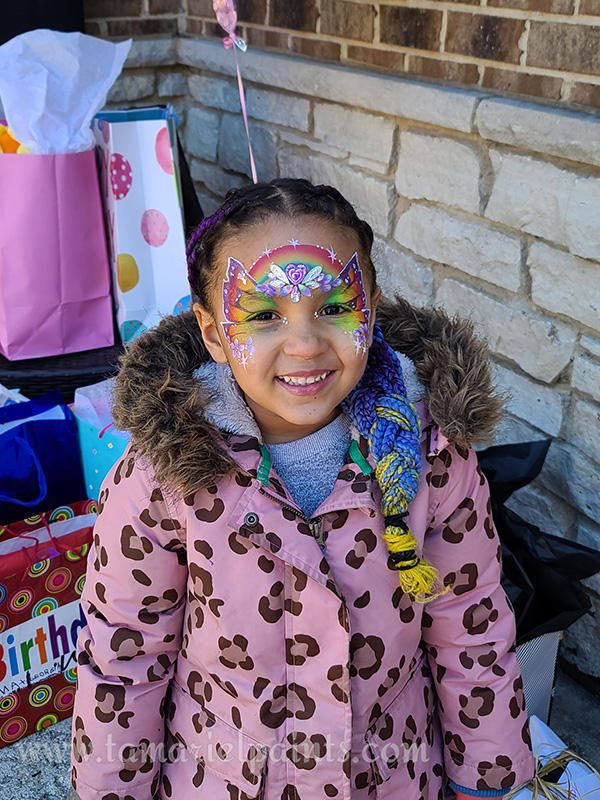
(304, 381)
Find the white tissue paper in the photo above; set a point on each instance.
(53, 83)
(93, 403)
(9, 397)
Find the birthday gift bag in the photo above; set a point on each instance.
(42, 572)
(144, 216)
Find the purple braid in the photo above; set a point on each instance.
(197, 235)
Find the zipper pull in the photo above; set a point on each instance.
(316, 528)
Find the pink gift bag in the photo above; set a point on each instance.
(54, 274)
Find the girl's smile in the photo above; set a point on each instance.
(306, 383)
(296, 336)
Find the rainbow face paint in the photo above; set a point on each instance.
(294, 271)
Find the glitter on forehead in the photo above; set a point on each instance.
(296, 253)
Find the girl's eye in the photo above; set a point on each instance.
(263, 316)
(333, 310)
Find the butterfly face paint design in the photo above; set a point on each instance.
(297, 280)
(293, 270)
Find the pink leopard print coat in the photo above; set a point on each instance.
(228, 655)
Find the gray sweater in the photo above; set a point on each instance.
(309, 466)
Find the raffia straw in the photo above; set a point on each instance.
(542, 788)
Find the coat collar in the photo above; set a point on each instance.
(160, 401)
(354, 486)
(257, 517)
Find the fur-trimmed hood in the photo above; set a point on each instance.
(160, 400)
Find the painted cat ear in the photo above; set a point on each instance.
(232, 263)
(353, 262)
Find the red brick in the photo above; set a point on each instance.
(212, 28)
(298, 15)
(410, 27)
(165, 6)
(200, 8)
(348, 20)
(194, 27)
(100, 9)
(159, 26)
(92, 28)
(442, 70)
(547, 6)
(263, 37)
(585, 94)
(591, 7)
(572, 48)
(483, 36)
(252, 11)
(375, 57)
(315, 48)
(504, 80)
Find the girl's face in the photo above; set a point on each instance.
(293, 315)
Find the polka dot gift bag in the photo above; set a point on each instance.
(42, 572)
(143, 212)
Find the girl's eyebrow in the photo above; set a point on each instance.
(257, 300)
(339, 292)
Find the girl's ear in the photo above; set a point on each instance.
(209, 329)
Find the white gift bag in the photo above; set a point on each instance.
(576, 781)
(144, 215)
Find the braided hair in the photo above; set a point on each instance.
(250, 205)
(380, 409)
(378, 405)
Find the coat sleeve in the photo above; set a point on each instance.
(469, 634)
(133, 600)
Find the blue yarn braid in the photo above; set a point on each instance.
(383, 414)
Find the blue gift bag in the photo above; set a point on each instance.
(99, 451)
(40, 465)
(100, 444)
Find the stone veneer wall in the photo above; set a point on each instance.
(548, 49)
(486, 206)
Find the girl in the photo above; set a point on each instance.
(295, 591)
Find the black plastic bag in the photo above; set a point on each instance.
(539, 569)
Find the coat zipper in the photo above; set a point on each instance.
(315, 524)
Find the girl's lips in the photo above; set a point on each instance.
(306, 389)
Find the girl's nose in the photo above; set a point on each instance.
(303, 339)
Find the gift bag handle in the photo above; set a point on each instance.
(40, 476)
(59, 547)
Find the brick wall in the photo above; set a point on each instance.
(546, 49)
(486, 205)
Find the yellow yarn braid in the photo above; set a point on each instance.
(418, 578)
